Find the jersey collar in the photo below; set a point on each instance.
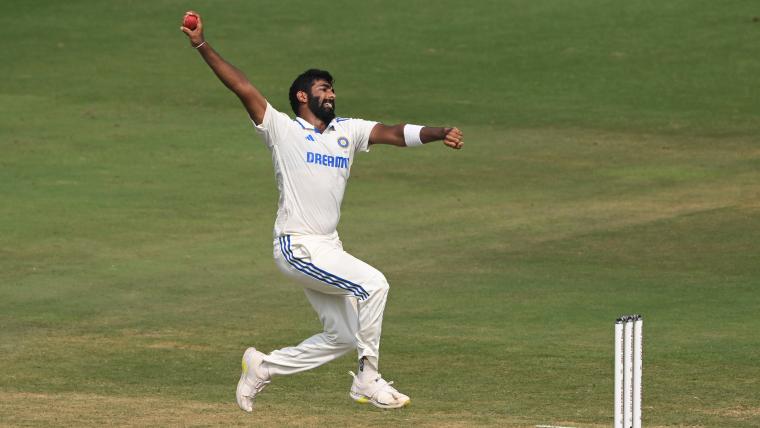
(309, 127)
(305, 125)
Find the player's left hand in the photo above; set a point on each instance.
(453, 138)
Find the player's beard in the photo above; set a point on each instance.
(323, 113)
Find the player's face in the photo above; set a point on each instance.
(322, 100)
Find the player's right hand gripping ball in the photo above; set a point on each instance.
(190, 22)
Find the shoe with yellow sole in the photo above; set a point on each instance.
(377, 392)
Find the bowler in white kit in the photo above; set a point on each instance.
(312, 156)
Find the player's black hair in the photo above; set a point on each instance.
(304, 82)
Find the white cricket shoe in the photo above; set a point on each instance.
(252, 380)
(378, 392)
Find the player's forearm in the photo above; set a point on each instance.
(404, 135)
(235, 80)
(429, 133)
(232, 78)
(451, 137)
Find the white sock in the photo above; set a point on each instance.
(368, 369)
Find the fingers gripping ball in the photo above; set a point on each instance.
(190, 22)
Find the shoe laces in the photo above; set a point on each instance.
(260, 384)
(378, 384)
(384, 383)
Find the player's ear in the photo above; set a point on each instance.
(302, 97)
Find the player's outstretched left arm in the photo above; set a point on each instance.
(414, 135)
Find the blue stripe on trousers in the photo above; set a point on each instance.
(319, 274)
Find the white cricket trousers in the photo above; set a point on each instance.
(348, 295)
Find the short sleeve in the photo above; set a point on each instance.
(274, 125)
(360, 131)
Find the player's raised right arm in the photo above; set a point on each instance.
(232, 78)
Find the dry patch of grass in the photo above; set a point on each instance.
(18, 409)
(743, 413)
(74, 409)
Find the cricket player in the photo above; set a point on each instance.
(312, 156)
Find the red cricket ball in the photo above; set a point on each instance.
(191, 21)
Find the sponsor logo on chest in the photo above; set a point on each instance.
(330, 144)
(327, 160)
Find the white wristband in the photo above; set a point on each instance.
(412, 135)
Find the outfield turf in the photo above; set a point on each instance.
(611, 166)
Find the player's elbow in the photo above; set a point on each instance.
(244, 90)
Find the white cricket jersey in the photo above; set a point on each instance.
(311, 169)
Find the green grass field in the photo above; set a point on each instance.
(612, 166)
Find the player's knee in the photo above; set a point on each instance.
(379, 285)
(382, 283)
(341, 339)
